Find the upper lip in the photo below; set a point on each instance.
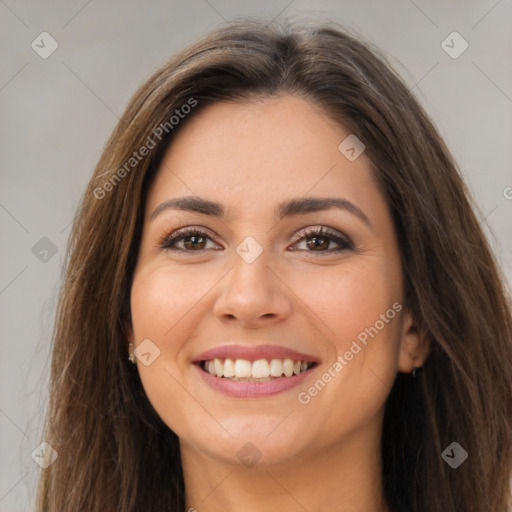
(254, 352)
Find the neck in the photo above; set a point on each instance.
(346, 477)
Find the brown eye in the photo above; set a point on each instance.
(194, 240)
(318, 240)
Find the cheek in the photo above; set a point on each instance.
(162, 298)
(359, 311)
(362, 325)
(353, 298)
(164, 306)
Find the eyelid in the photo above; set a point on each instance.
(183, 232)
(325, 230)
(341, 239)
(169, 240)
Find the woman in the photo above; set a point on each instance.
(278, 297)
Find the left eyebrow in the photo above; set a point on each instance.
(289, 208)
(315, 204)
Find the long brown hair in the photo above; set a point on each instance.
(116, 454)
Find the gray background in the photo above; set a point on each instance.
(56, 114)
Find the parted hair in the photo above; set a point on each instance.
(116, 454)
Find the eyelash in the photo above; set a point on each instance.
(168, 242)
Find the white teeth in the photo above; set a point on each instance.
(229, 368)
(243, 368)
(288, 367)
(219, 367)
(276, 368)
(261, 369)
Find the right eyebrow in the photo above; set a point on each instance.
(191, 204)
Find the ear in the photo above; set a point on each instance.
(414, 347)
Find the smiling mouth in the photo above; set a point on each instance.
(260, 370)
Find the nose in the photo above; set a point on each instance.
(253, 294)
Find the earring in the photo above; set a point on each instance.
(131, 356)
(415, 371)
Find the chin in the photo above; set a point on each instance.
(263, 445)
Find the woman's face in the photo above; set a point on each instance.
(254, 290)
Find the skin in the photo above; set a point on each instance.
(323, 455)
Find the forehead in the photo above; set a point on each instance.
(251, 154)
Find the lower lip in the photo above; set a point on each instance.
(240, 389)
